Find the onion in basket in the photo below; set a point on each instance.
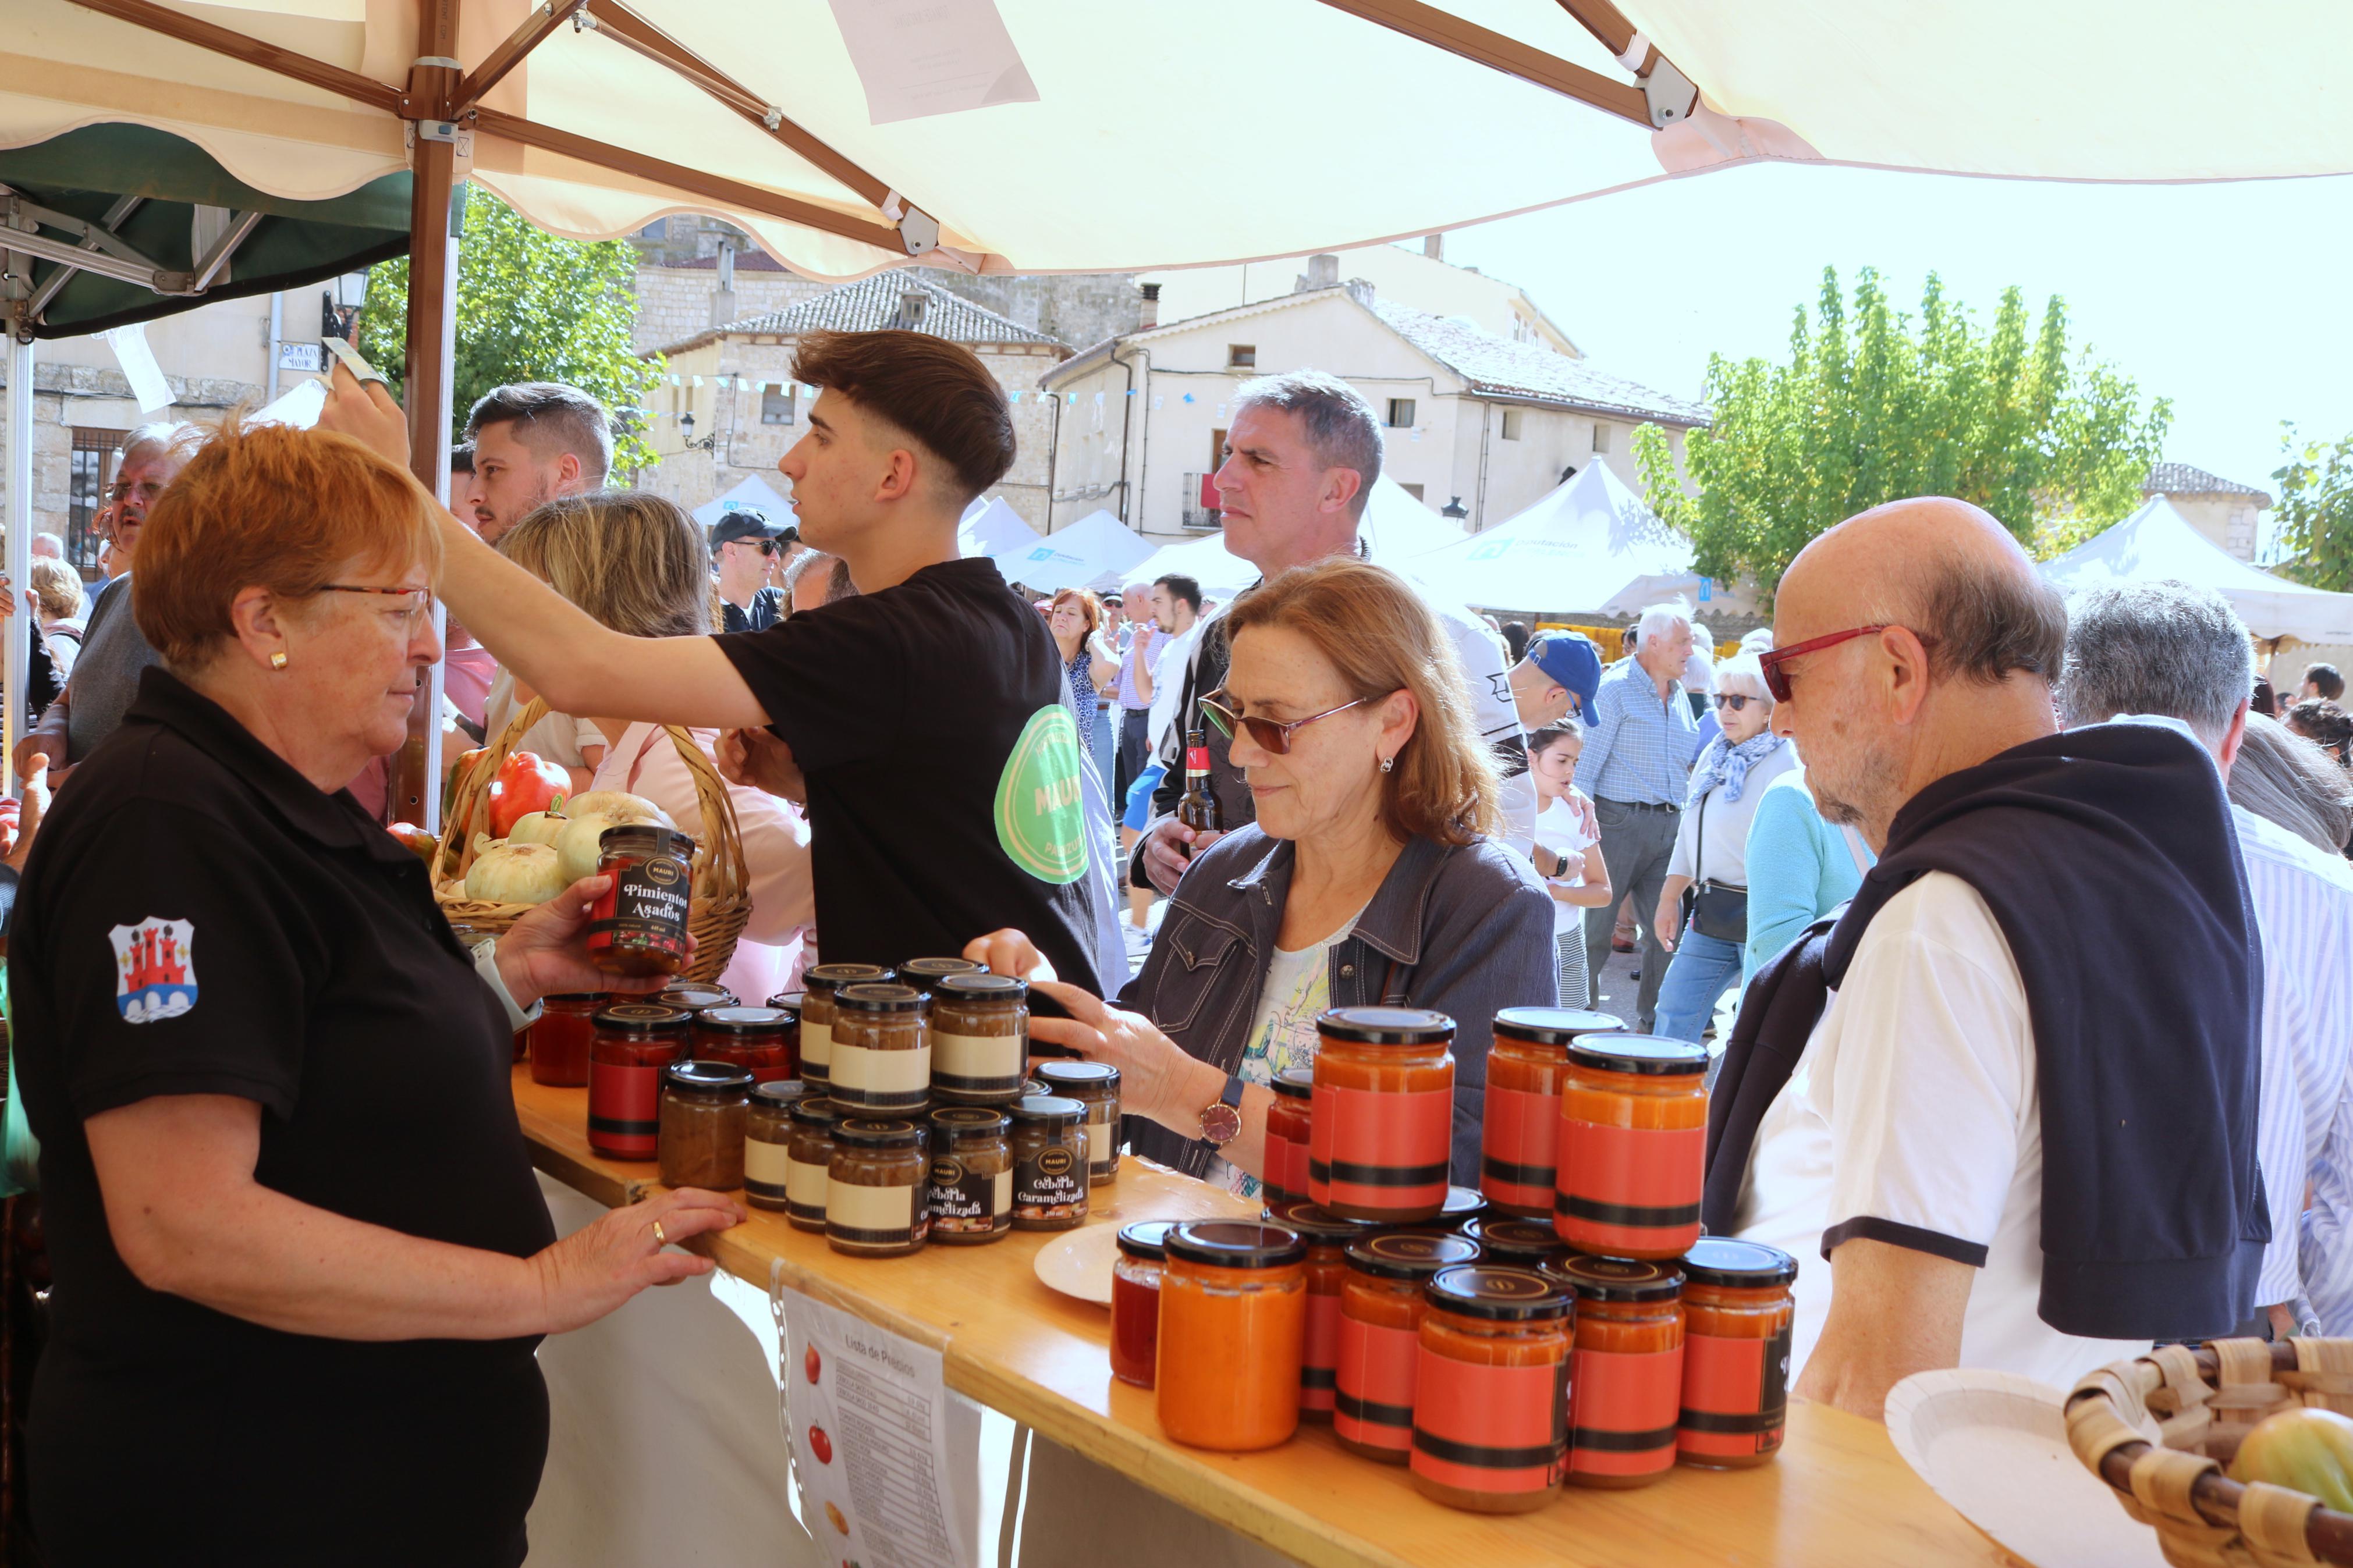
(517, 874)
(579, 845)
(538, 827)
(2308, 1450)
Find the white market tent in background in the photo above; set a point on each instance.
(2158, 542)
(1396, 528)
(1591, 547)
(754, 494)
(1096, 551)
(991, 527)
(1205, 560)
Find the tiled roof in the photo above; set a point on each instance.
(2181, 479)
(871, 304)
(1497, 367)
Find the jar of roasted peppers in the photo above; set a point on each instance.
(1233, 1313)
(637, 924)
(1520, 1127)
(1626, 1379)
(1381, 1308)
(1634, 1139)
(1491, 1390)
(760, 1041)
(1384, 1113)
(633, 1042)
(1737, 1312)
(560, 1036)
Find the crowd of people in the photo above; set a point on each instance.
(2037, 928)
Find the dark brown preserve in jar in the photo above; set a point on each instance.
(876, 1193)
(1049, 1164)
(704, 1106)
(971, 1176)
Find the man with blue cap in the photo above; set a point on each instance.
(1560, 674)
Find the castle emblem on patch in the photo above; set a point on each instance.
(154, 969)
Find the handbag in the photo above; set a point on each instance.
(1715, 909)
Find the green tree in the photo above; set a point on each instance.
(530, 307)
(1874, 404)
(2316, 511)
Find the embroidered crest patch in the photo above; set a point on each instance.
(154, 969)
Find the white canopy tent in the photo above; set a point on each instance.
(2158, 542)
(1096, 551)
(1396, 528)
(1205, 560)
(1589, 547)
(754, 494)
(990, 527)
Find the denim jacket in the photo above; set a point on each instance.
(1461, 929)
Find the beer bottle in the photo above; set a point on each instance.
(1197, 809)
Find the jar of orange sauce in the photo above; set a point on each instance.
(1737, 1312)
(1328, 1237)
(1383, 1130)
(1491, 1390)
(1287, 1120)
(1233, 1315)
(1381, 1309)
(1626, 1378)
(1633, 1140)
(1520, 1132)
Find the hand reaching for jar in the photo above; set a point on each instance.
(600, 1266)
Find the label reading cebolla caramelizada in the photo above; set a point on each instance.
(649, 897)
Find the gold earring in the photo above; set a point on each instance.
(278, 659)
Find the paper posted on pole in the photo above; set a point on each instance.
(138, 366)
(868, 1413)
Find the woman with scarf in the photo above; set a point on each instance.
(1710, 855)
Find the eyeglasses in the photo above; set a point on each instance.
(1735, 700)
(1274, 738)
(418, 610)
(1775, 664)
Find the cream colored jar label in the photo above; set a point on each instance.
(805, 1182)
(1102, 1142)
(977, 1055)
(767, 1165)
(817, 1043)
(869, 1208)
(858, 1070)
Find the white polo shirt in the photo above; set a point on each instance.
(1913, 1118)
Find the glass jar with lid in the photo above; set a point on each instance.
(881, 1049)
(1327, 1235)
(1633, 1142)
(971, 1197)
(925, 973)
(817, 1013)
(1519, 1143)
(760, 1041)
(560, 1037)
(1381, 1308)
(1233, 1314)
(1049, 1164)
(1287, 1120)
(809, 1161)
(1095, 1085)
(877, 1191)
(695, 995)
(1382, 1133)
(1511, 1242)
(1136, 1300)
(705, 1107)
(768, 1141)
(1491, 1390)
(1626, 1379)
(980, 1038)
(633, 1042)
(1462, 1205)
(637, 924)
(1737, 1312)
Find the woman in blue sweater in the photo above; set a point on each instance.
(1801, 868)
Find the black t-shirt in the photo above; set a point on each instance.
(767, 609)
(197, 918)
(943, 768)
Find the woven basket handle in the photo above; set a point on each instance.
(469, 803)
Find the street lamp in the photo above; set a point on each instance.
(1454, 510)
(686, 435)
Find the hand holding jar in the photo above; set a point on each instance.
(544, 952)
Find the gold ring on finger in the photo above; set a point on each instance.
(659, 1238)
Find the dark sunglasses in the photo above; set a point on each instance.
(1735, 701)
(1270, 736)
(1775, 665)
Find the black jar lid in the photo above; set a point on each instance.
(742, 1020)
(1739, 1264)
(1294, 1083)
(1047, 1111)
(707, 1081)
(877, 999)
(833, 976)
(642, 1018)
(1409, 1254)
(956, 1122)
(1553, 1025)
(877, 1133)
(922, 973)
(1146, 1237)
(576, 998)
(1319, 1225)
(645, 838)
(1496, 1294)
(1515, 1243)
(982, 986)
(781, 1092)
(818, 1111)
(1618, 1278)
(1386, 1025)
(1462, 1205)
(1647, 1055)
(1077, 1076)
(788, 1002)
(1234, 1244)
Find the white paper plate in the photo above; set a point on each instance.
(1079, 1263)
(1994, 1445)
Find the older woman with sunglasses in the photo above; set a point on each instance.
(1710, 858)
(1368, 879)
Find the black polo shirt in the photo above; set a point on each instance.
(197, 918)
(942, 765)
(767, 609)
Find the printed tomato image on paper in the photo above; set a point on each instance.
(833, 1516)
(820, 1444)
(812, 1363)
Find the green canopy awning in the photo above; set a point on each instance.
(145, 264)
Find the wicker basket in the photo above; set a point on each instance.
(722, 903)
(2160, 1430)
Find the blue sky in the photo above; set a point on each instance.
(2228, 299)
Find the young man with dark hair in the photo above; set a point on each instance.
(923, 835)
(531, 441)
(2321, 680)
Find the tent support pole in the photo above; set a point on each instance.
(20, 528)
(1444, 30)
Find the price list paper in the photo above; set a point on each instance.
(868, 1415)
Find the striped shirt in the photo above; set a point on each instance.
(1640, 749)
(2304, 907)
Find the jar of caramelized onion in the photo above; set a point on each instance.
(925, 973)
(971, 1195)
(704, 1109)
(768, 1141)
(980, 1038)
(808, 1162)
(877, 1190)
(1095, 1085)
(817, 1014)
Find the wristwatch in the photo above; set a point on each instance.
(1221, 1119)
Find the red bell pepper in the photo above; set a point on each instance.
(526, 784)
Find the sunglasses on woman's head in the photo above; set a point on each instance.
(1270, 736)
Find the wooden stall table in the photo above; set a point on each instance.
(1838, 1496)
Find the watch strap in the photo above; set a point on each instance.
(1221, 1119)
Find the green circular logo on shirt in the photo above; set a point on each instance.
(1040, 821)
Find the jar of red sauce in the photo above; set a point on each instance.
(1737, 1311)
(1626, 1379)
(1381, 1306)
(1233, 1315)
(695, 995)
(1520, 1126)
(560, 1036)
(1327, 1235)
(1287, 1120)
(763, 1041)
(817, 1014)
(1633, 1140)
(1382, 1113)
(1512, 1243)
(1136, 1300)
(633, 1042)
(1491, 1390)
(637, 924)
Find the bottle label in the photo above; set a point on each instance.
(806, 1182)
(817, 1047)
(624, 1110)
(1517, 1162)
(1629, 1191)
(1319, 1357)
(962, 1201)
(1373, 1401)
(1490, 1429)
(1197, 763)
(649, 897)
(878, 1081)
(1374, 1150)
(1054, 1179)
(1622, 1407)
(880, 1217)
(767, 1174)
(977, 1064)
(1736, 1394)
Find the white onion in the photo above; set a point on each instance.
(517, 874)
(617, 804)
(539, 827)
